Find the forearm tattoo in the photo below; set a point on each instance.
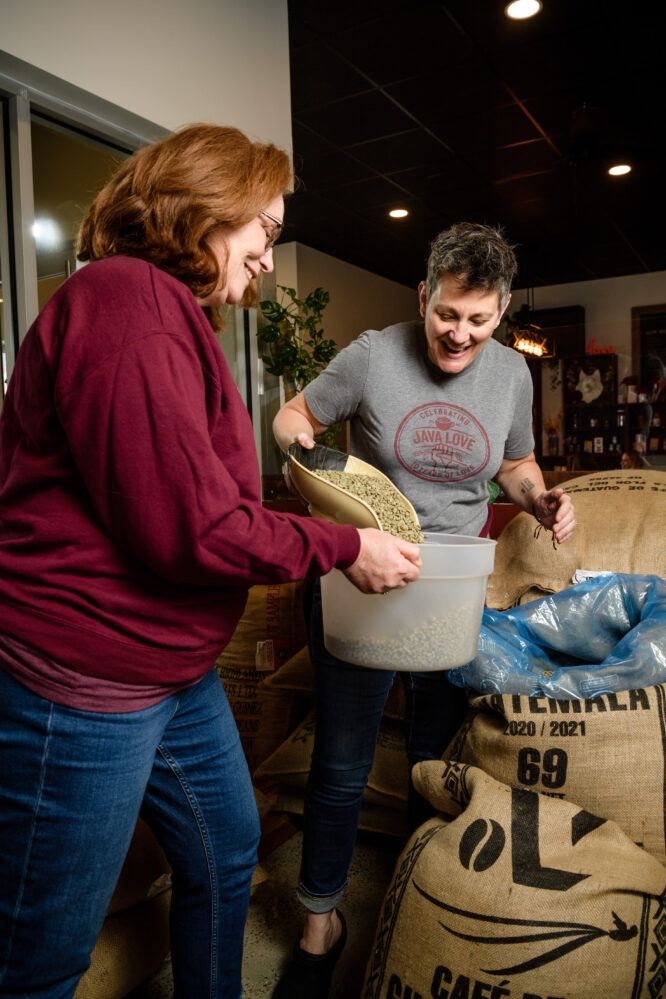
(526, 486)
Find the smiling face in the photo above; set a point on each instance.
(241, 254)
(458, 322)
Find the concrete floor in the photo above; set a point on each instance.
(274, 920)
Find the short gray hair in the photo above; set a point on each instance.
(478, 256)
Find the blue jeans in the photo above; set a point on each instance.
(72, 784)
(349, 703)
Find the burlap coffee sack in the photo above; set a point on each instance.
(271, 629)
(297, 674)
(519, 896)
(259, 876)
(607, 754)
(264, 802)
(621, 528)
(387, 784)
(131, 947)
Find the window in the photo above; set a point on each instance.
(68, 169)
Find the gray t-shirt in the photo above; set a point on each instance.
(438, 437)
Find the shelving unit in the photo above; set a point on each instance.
(614, 426)
(602, 433)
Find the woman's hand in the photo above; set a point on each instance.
(306, 441)
(522, 481)
(384, 562)
(295, 424)
(554, 509)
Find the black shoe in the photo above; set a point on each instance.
(309, 975)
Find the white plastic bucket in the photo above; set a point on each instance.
(431, 624)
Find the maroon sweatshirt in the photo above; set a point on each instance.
(131, 523)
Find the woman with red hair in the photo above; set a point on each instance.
(131, 528)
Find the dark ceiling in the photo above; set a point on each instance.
(456, 113)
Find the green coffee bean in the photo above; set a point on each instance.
(441, 642)
(382, 497)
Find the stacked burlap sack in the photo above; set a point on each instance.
(268, 634)
(607, 752)
(558, 893)
(621, 528)
(513, 894)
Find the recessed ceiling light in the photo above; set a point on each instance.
(619, 169)
(520, 9)
(398, 213)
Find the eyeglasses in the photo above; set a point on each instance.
(275, 233)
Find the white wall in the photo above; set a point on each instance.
(360, 300)
(172, 62)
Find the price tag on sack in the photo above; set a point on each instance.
(271, 653)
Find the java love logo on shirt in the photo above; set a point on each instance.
(442, 443)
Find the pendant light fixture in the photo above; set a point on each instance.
(527, 336)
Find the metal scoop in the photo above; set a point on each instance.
(329, 501)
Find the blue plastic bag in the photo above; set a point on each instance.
(597, 637)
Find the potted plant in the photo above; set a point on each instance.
(297, 349)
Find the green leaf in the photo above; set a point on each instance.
(269, 334)
(298, 348)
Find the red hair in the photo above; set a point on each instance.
(165, 201)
